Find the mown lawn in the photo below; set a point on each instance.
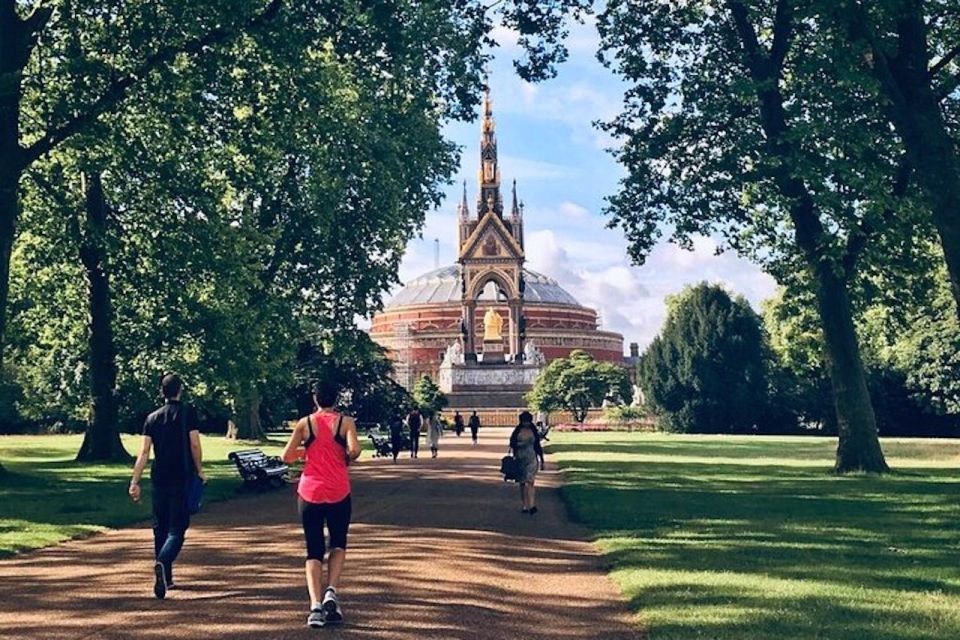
(716, 537)
(46, 497)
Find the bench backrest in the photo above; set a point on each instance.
(250, 458)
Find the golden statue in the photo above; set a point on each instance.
(492, 326)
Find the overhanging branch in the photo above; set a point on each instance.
(119, 87)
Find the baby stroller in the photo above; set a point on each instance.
(381, 445)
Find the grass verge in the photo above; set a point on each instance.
(46, 497)
(726, 538)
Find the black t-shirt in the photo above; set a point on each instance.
(167, 429)
(474, 422)
(414, 420)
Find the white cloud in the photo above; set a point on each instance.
(573, 210)
(527, 169)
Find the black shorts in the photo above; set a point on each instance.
(313, 515)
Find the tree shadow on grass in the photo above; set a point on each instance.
(727, 550)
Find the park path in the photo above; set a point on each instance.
(438, 550)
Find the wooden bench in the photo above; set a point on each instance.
(260, 470)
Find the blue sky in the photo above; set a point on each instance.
(548, 144)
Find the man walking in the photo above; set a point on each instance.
(457, 423)
(172, 431)
(396, 436)
(414, 422)
(474, 426)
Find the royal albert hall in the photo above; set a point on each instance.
(448, 304)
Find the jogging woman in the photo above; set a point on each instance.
(327, 443)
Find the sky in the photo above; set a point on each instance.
(547, 142)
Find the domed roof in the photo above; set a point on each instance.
(442, 286)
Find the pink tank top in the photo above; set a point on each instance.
(325, 478)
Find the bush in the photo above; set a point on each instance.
(707, 371)
(624, 414)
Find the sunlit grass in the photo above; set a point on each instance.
(743, 537)
(46, 497)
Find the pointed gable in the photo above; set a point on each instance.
(491, 239)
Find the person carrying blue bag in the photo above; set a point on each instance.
(176, 477)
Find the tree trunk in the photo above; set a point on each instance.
(916, 112)
(247, 426)
(859, 447)
(931, 150)
(102, 438)
(11, 75)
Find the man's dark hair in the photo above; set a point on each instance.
(526, 418)
(171, 385)
(326, 393)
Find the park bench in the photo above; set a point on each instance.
(260, 470)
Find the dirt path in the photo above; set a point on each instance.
(438, 550)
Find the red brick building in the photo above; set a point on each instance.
(448, 305)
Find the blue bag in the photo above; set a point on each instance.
(194, 489)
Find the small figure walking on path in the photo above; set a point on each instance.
(433, 429)
(327, 443)
(474, 426)
(414, 422)
(396, 437)
(173, 433)
(525, 445)
(457, 423)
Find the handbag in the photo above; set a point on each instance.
(510, 468)
(194, 488)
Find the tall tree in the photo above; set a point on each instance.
(737, 123)
(911, 49)
(65, 64)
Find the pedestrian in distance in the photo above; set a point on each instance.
(474, 426)
(414, 424)
(327, 443)
(433, 428)
(457, 423)
(172, 431)
(525, 446)
(396, 437)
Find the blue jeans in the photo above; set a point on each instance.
(170, 522)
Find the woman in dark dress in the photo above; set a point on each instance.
(525, 446)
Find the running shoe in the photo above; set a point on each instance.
(532, 511)
(316, 618)
(331, 607)
(159, 581)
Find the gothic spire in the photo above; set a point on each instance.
(463, 209)
(489, 196)
(515, 209)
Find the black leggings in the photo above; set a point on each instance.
(313, 515)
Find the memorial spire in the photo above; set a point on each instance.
(488, 199)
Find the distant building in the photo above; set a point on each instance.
(449, 304)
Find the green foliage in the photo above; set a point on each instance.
(428, 396)
(362, 370)
(741, 537)
(578, 383)
(910, 352)
(624, 413)
(707, 370)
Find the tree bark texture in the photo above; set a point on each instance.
(102, 438)
(247, 426)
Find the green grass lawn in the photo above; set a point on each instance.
(715, 537)
(46, 497)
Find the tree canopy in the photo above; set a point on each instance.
(577, 384)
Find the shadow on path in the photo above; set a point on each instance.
(438, 549)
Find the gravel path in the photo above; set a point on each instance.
(438, 550)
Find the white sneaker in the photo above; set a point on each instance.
(331, 607)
